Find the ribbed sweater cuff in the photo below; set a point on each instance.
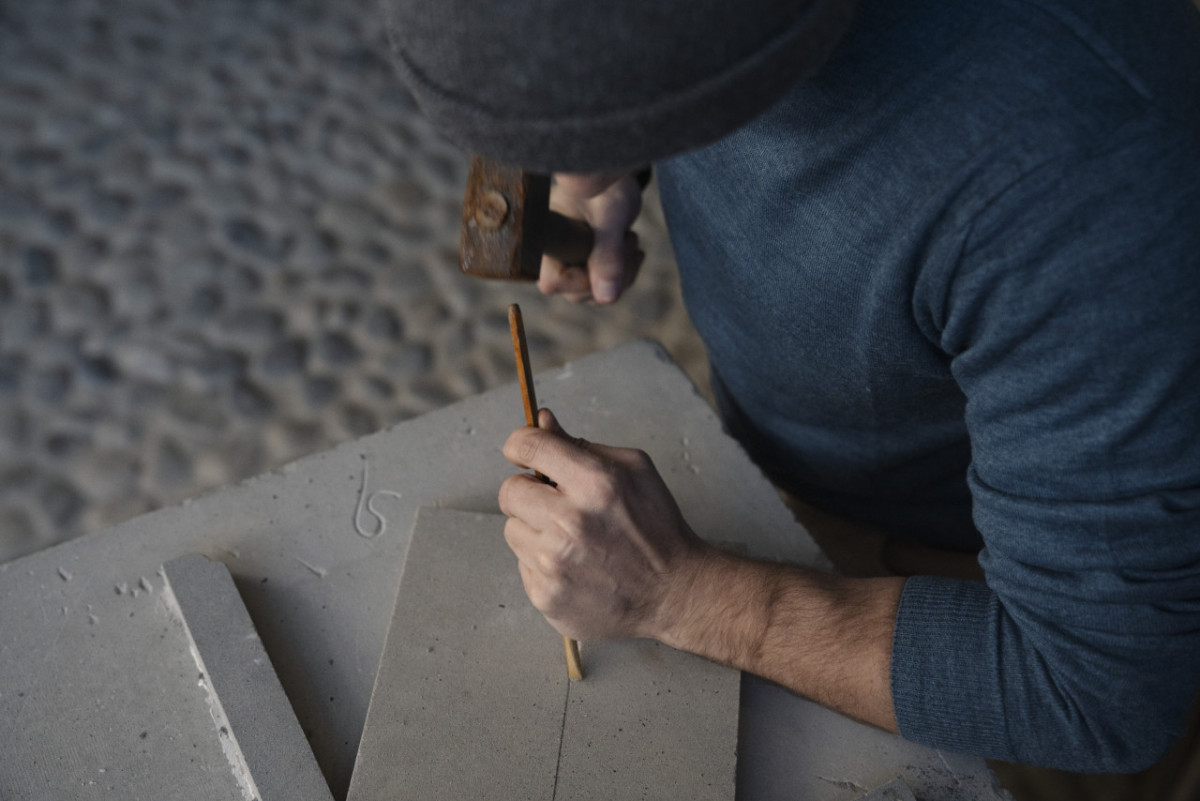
(945, 679)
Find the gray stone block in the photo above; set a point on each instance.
(252, 720)
(895, 790)
(791, 748)
(469, 699)
(649, 722)
(142, 689)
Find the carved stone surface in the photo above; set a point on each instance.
(469, 698)
(471, 692)
(649, 722)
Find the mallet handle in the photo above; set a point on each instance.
(567, 239)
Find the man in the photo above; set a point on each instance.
(945, 258)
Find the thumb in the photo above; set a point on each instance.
(627, 457)
(606, 266)
(548, 422)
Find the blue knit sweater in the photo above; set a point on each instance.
(952, 287)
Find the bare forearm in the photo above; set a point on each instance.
(825, 637)
(604, 552)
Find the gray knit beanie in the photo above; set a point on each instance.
(594, 85)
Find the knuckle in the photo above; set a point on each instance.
(549, 286)
(547, 593)
(504, 497)
(606, 266)
(553, 566)
(607, 488)
(527, 446)
(571, 546)
(640, 460)
(572, 524)
(510, 534)
(556, 594)
(537, 597)
(607, 495)
(575, 281)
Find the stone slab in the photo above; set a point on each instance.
(791, 748)
(472, 689)
(469, 698)
(86, 721)
(258, 731)
(895, 790)
(316, 549)
(649, 722)
(187, 707)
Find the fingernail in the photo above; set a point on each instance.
(606, 291)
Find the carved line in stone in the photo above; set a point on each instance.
(368, 501)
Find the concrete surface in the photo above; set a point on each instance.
(469, 698)
(262, 741)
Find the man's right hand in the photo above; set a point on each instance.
(609, 203)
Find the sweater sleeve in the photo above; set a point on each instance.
(1072, 320)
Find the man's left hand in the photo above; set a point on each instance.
(604, 553)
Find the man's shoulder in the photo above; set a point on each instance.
(1151, 51)
(1075, 68)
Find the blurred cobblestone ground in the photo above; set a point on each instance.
(229, 239)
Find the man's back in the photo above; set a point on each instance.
(831, 249)
(949, 287)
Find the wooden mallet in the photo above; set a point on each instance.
(507, 224)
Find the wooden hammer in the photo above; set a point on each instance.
(507, 224)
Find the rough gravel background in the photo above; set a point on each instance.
(229, 239)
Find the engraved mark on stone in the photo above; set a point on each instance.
(367, 500)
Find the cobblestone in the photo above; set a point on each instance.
(228, 238)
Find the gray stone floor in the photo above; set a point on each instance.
(228, 239)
